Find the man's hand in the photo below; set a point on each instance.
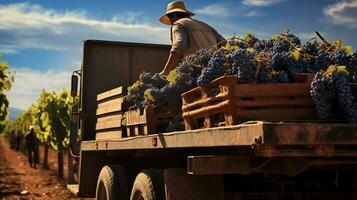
(172, 62)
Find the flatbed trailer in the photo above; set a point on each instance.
(253, 160)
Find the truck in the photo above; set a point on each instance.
(252, 160)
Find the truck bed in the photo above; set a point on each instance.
(268, 139)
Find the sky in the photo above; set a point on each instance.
(42, 39)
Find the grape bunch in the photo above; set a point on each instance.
(138, 95)
(281, 46)
(243, 66)
(311, 47)
(176, 124)
(346, 100)
(293, 39)
(264, 45)
(199, 59)
(214, 68)
(322, 95)
(321, 62)
(333, 90)
(236, 42)
(340, 58)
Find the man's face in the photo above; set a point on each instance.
(172, 17)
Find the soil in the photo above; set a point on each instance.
(19, 181)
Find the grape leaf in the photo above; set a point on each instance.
(347, 49)
(295, 54)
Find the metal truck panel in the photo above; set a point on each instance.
(107, 65)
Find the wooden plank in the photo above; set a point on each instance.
(280, 114)
(304, 101)
(116, 101)
(272, 89)
(134, 117)
(112, 134)
(110, 93)
(117, 116)
(243, 135)
(109, 109)
(108, 124)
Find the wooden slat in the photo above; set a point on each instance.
(134, 117)
(244, 135)
(110, 93)
(115, 101)
(239, 136)
(268, 90)
(108, 124)
(109, 109)
(304, 101)
(117, 116)
(111, 134)
(277, 114)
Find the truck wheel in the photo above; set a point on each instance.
(112, 184)
(148, 185)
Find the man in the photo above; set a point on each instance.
(18, 141)
(30, 140)
(187, 35)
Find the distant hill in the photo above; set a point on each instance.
(14, 112)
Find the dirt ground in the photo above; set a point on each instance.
(19, 181)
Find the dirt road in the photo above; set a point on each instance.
(19, 181)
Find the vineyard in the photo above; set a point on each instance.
(252, 61)
(50, 116)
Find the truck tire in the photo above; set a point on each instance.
(148, 185)
(112, 184)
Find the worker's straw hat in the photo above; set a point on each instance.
(31, 128)
(176, 6)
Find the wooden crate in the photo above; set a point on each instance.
(148, 121)
(109, 113)
(224, 103)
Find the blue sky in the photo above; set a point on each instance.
(42, 40)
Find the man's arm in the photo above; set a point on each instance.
(179, 44)
(171, 63)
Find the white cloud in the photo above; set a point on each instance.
(253, 13)
(27, 25)
(261, 2)
(343, 13)
(224, 10)
(29, 83)
(128, 17)
(214, 10)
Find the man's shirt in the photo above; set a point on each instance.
(190, 35)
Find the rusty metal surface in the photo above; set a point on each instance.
(289, 166)
(212, 164)
(181, 186)
(309, 134)
(203, 165)
(327, 151)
